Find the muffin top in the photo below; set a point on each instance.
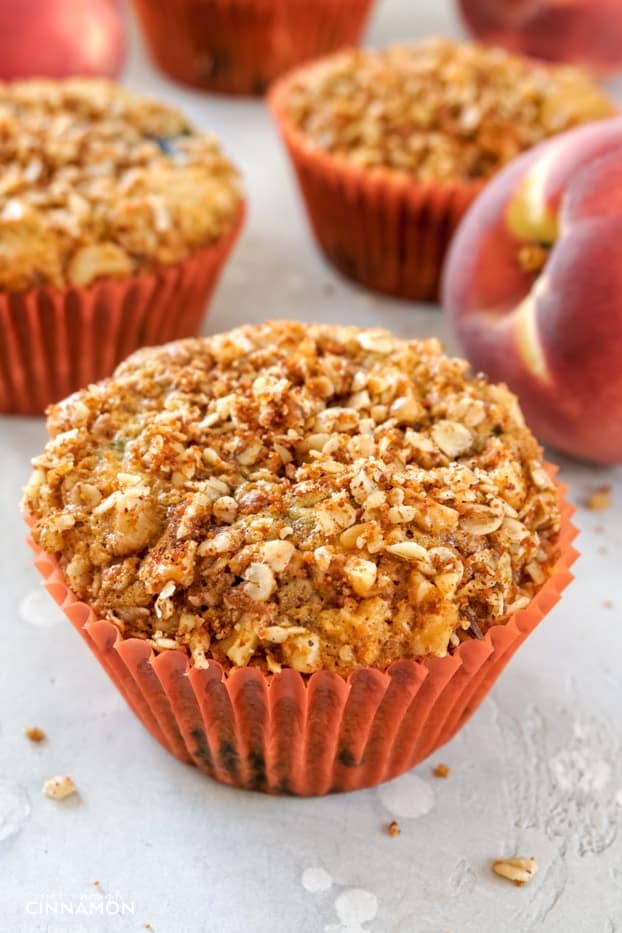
(438, 110)
(96, 181)
(296, 495)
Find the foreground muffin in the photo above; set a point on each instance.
(239, 48)
(319, 498)
(392, 146)
(116, 217)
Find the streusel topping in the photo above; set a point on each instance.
(96, 182)
(438, 110)
(296, 495)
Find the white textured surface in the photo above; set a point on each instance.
(537, 772)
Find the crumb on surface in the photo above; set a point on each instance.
(441, 771)
(393, 828)
(518, 869)
(59, 787)
(600, 499)
(35, 734)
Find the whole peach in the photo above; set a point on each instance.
(533, 285)
(584, 32)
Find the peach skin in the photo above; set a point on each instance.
(533, 286)
(582, 32)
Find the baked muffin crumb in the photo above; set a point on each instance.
(34, 734)
(57, 788)
(294, 495)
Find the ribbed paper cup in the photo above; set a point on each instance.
(240, 46)
(54, 341)
(382, 229)
(294, 734)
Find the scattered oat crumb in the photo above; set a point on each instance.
(608, 604)
(35, 734)
(59, 787)
(148, 926)
(442, 771)
(600, 499)
(96, 884)
(518, 869)
(393, 828)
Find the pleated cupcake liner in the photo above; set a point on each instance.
(54, 341)
(241, 46)
(384, 230)
(289, 733)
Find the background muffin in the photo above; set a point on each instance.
(241, 47)
(341, 508)
(115, 220)
(390, 147)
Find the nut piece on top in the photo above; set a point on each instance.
(294, 495)
(401, 141)
(112, 210)
(533, 285)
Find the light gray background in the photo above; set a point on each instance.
(538, 771)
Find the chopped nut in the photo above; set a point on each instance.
(361, 574)
(519, 870)
(441, 771)
(260, 581)
(600, 499)
(59, 787)
(393, 828)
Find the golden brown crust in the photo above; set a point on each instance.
(296, 495)
(99, 182)
(438, 110)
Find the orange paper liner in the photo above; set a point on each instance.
(382, 229)
(306, 735)
(240, 46)
(54, 341)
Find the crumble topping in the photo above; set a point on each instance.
(99, 182)
(294, 495)
(438, 110)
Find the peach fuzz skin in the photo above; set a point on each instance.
(553, 335)
(583, 32)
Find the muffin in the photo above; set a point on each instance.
(339, 535)
(391, 147)
(116, 218)
(239, 48)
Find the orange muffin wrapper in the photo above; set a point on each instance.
(241, 46)
(386, 231)
(306, 735)
(54, 341)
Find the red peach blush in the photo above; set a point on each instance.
(550, 327)
(583, 32)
